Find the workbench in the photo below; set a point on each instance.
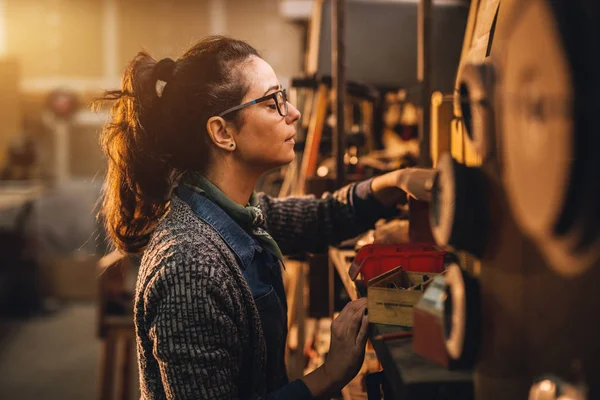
(410, 376)
(13, 197)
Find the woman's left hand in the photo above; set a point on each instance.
(414, 182)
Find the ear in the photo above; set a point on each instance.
(219, 133)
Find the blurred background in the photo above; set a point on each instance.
(57, 56)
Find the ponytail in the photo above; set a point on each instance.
(138, 182)
(158, 131)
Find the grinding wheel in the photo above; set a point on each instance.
(462, 315)
(459, 211)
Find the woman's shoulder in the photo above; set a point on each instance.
(183, 241)
(181, 230)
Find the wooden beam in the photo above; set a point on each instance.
(314, 34)
(110, 43)
(424, 39)
(310, 155)
(338, 68)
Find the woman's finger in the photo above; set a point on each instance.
(350, 309)
(361, 338)
(355, 321)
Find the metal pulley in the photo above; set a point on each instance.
(459, 210)
(548, 105)
(475, 99)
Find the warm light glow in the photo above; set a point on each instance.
(436, 99)
(322, 171)
(543, 390)
(547, 386)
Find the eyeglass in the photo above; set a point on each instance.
(279, 96)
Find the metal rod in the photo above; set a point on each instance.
(424, 36)
(392, 336)
(338, 70)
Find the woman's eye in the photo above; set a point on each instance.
(272, 106)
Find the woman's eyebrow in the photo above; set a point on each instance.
(272, 88)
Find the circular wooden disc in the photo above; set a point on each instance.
(538, 142)
(539, 139)
(559, 254)
(456, 338)
(476, 101)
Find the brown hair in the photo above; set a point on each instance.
(154, 137)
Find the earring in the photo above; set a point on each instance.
(231, 145)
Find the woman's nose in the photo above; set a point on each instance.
(293, 114)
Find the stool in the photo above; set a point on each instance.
(115, 326)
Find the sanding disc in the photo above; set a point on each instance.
(459, 211)
(476, 84)
(443, 201)
(462, 315)
(455, 320)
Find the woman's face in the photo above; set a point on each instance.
(265, 139)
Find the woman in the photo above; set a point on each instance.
(186, 145)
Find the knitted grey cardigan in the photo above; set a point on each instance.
(198, 330)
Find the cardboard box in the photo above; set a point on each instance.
(392, 295)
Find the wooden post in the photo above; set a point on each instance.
(110, 24)
(10, 102)
(424, 77)
(338, 70)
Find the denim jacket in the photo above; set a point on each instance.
(263, 272)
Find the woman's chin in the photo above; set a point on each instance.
(289, 158)
(280, 162)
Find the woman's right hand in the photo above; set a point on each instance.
(348, 341)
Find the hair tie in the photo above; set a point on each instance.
(163, 71)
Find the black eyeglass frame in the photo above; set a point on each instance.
(272, 96)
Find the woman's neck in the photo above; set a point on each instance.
(236, 182)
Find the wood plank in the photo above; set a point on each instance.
(338, 258)
(314, 34)
(441, 124)
(313, 138)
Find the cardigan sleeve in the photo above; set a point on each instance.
(300, 224)
(194, 335)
